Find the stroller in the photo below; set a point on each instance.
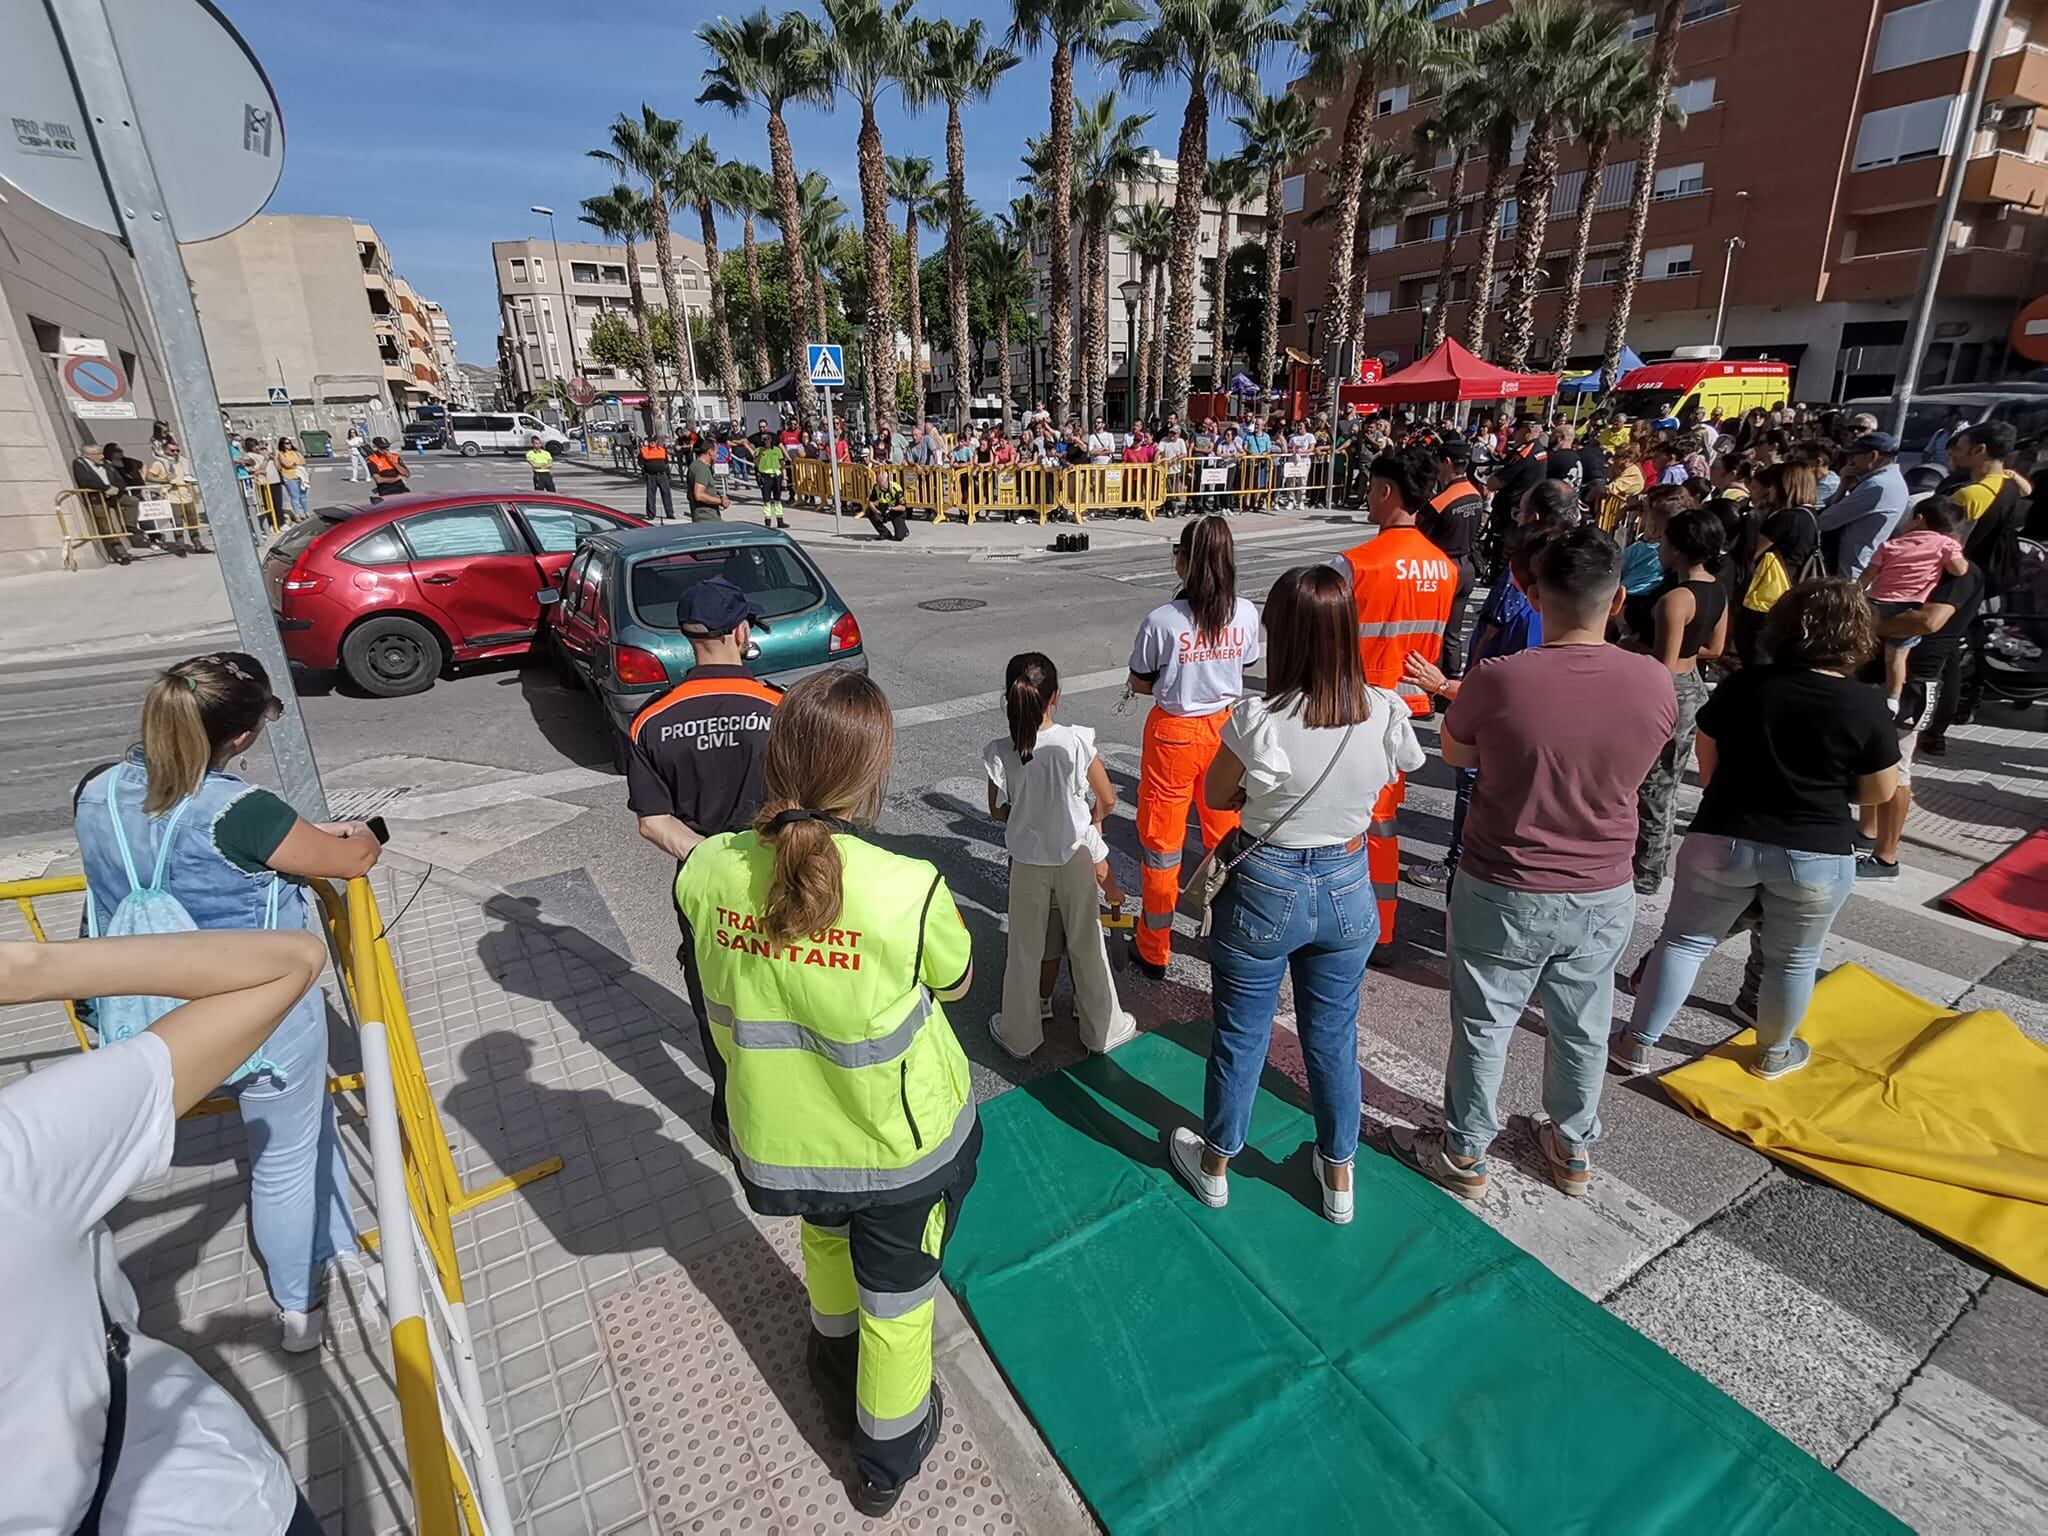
(2008, 644)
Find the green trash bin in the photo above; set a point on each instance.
(318, 444)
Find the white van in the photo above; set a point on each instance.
(502, 432)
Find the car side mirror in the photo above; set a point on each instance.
(548, 597)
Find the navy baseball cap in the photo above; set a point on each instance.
(1875, 442)
(714, 607)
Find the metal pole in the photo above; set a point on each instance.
(1944, 220)
(87, 38)
(289, 403)
(1336, 385)
(1733, 244)
(562, 287)
(832, 458)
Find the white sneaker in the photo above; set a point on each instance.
(1184, 1151)
(1125, 1029)
(303, 1331)
(1337, 1203)
(995, 1033)
(1045, 1010)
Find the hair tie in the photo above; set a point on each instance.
(189, 681)
(804, 813)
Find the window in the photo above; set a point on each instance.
(557, 530)
(518, 269)
(572, 583)
(1641, 28)
(612, 274)
(1393, 100)
(1288, 251)
(1448, 8)
(1667, 261)
(1695, 95)
(1378, 301)
(1697, 11)
(582, 272)
(540, 274)
(1681, 180)
(1382, 238)
(1439, 226)
(1934, 29)
(773, 575)
(459, 531)
(384, 547)
(1510, 213)
(1446, 157)
(1293, 194)
(1603, 268)
(1915, 131)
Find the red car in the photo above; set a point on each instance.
(395, 592)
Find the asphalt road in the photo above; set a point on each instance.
(1829, 1318)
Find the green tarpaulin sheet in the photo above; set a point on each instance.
(1256, 1369)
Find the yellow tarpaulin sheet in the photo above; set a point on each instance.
(1940, 1118)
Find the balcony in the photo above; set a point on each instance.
(1998, 177)
(2007, 178)
(1976, 271)
(2021, 76)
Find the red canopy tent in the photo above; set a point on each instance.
(1453, 373)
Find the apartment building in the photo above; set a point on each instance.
(535, 342)
(455, 385)
(1807, 176)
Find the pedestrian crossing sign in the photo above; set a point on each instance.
(825, 364)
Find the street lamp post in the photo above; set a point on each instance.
(1729, 247)
(1132, 290)
(561, 286)
(1032, 308)
(1312, 315)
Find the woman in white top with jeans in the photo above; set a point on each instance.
(1049, 789)
(1304, 765)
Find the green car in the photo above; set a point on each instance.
(611, 624)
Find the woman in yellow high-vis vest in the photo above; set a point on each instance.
(824, 963)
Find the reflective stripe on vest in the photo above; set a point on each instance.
(787, 1035)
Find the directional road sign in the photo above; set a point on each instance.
(825, 363)
(95, 387)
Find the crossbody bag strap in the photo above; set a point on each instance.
(117, 1421)
(1286, 816)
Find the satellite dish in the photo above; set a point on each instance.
(202, 103)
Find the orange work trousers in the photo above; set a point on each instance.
(1383, 854)
(1176, 757)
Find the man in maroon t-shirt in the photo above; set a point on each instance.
(1544, 895)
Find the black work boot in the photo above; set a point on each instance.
(876, 1502)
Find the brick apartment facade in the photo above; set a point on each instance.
(1833, 117)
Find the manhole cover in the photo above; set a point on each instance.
(952, 604)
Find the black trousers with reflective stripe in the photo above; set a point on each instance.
(686, 953)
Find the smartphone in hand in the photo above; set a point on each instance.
(378, 829)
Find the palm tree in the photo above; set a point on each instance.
(648, 147)
(1214, 48)
(1565, 46)
(623, 214)
(1619, 104)
(1279, 131)
(1459, 124)
(911, 184)
(866, 43)
(1146, 230)
(1389, 184)
(1389, 40)
(1110, 154)
(1663, 65)
(1499, 124)
(774, 62)
(957, 65)
(822, 217)
(1074, 28)
(699, 183)
(753, 197)
(1006, 277)
(1232, 184)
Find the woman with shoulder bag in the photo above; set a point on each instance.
(1303, 767)
(1787, 549)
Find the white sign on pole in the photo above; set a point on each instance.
(1215, 477)
(825, 362)
(85, 346)
(215, 134)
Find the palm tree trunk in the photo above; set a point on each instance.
(1060, 231)
(1158, 345)
(764, 370)
(1440, 318)
(1481, 298)
(1663, 64)
(956, 261)
(1187, 225)
(663, 258)
(1532, 196)
(915, 298)
(782, 163)
(1362, 259)
(1582, 240)
(728, 370)
(1141, 356)
(881, 315)
(1003, 362)
(1085, 407)
(824, 314)
(1219, 321)
(1350, 186)
(645, 327)
(1269, 309)
(1098, 282)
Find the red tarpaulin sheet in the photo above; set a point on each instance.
(1453, 373)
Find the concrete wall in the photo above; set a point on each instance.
(80, 283)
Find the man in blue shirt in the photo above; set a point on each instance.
(1868, 507)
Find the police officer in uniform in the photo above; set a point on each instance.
(826, 963)
(693, 767)
(1453, 522)
(654, 469)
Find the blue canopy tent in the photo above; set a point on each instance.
(1589, 383)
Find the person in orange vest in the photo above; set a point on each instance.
(654, 469)
(1453, 522)
(1403, 587)
(388, 474)
(1190, 656)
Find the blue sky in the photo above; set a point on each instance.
(442, 122)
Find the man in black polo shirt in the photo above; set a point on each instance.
(1525, 463)
(695, 767)
(1452, 523)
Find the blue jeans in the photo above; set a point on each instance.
(295, 493)
(1506, 945)
(1311, 911)
(298, 1183)
(1718, 877)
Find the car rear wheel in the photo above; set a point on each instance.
(471, 450)
(392, 657)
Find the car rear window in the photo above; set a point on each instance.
(773, 575)
(292, 543)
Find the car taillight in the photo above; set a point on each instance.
(300, 579)
(845, 634)
(632, 665)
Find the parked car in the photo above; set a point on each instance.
(502, 432)
(425, 434)
(394, 593)
(611, 620)
(2025, 405)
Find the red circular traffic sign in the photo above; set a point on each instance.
(2030, 331)
(97, 379)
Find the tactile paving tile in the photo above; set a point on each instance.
(729, 1434)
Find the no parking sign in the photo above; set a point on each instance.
(94, 385)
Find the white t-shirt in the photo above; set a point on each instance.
(1171, 448)
(1195, 677)
(1101, 447)
(1282, 758)
(1051, 806)
(76, 1139)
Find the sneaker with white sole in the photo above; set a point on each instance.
(995, 1033)
(1743, 1009)
(1782, 1061)
(1423, 1152)
(1045, 1010)
(1337, 1203)
(303, 1331)
(1627, 1055)
(1571, 1172)
(1184, 1151)
(1125, 1029)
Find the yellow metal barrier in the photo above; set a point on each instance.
(86, 516)
(1244, 482)
(1008, 490)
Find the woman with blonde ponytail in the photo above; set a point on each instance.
(825, 963)
(169, 823)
